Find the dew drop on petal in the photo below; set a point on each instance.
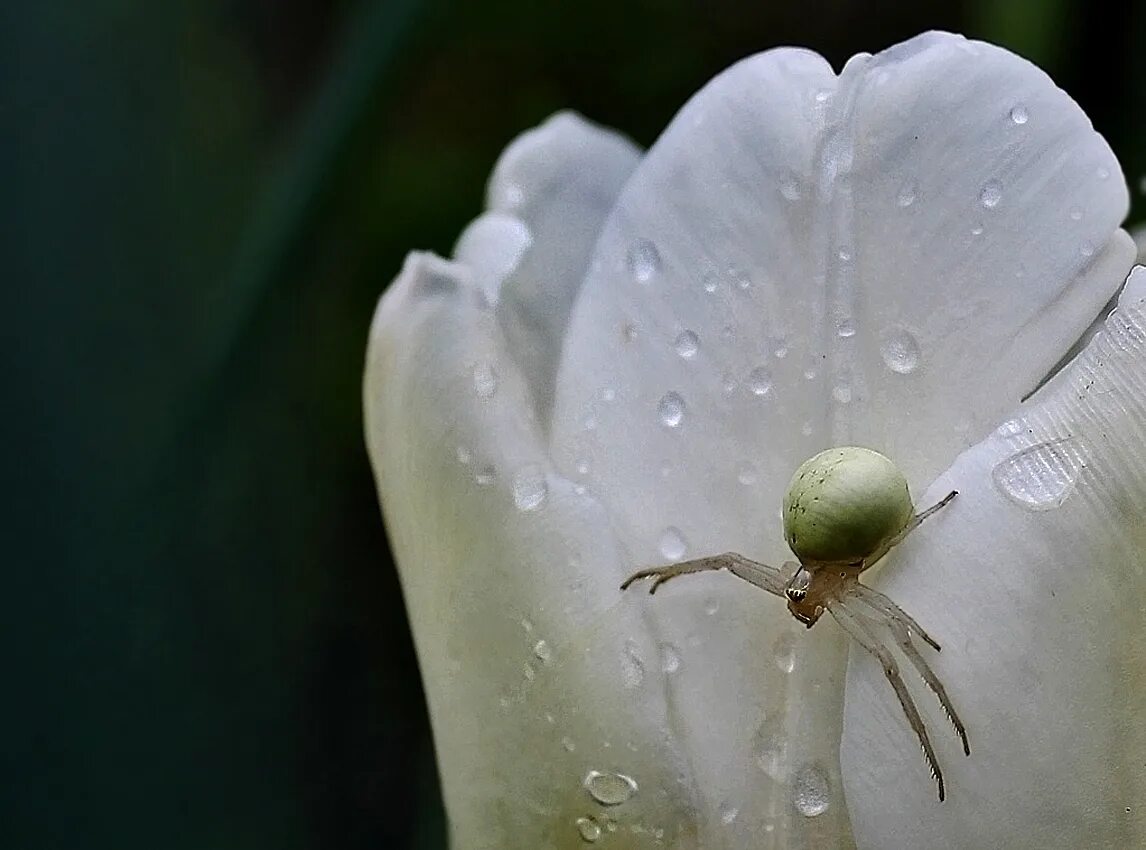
(845, 255)
(529, 488)
(709, 281)
(845, 328)
(465, 457)
(643, 260)
(906, 195)
(1103, 173)
(746, 476)
(900, 351)
(1041, 477)
(568, 744)
(687, 344)
(1076, 214)
(810, 790)
(670, 410)
(991, 194)
(672, 544)
(711, 606)
(728, 813)
(542, 651)
(784, 652)
(485, 380)
(670, 658)
(977, 230)
(760, 381)
(609, 789)
(790, 188)
(588, 829)
(1086, 249)
(1019, 114)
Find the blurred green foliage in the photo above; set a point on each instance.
(206, 641)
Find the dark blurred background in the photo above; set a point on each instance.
(205, 642)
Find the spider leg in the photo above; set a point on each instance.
(903, 639)
(853, 624)
(888, 608)
(912, 524)
(761, 575)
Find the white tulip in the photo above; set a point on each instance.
(622, 366)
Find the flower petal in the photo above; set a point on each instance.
(560, 179)
(1034, 582)
(797, 263)
(506, 570)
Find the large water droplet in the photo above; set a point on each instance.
(900, 351)
(810, 790)
(1041, 477)
(672, 544)
(588, 829)
(609, 789)
(644, 260)
(1019, 114)
(529, 488)
(760, 381)
(687, 344)
(670, 409)
(991, 194)
(485, 380)
(784, 652)
(907, 193)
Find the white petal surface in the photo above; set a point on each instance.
(542, 738)
(798, 262)
(560, 179)
(1034, 581)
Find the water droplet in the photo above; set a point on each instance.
(900, 351)
(711, 606)
(485, 380)
(781, 351)
(1076, 215)
(1010, 429)
(529, 488)
(542, 651)
(485, 475)
(609, 789)
(991, 194)
(772, 754)
(906, 196)
(740, 278)
(1086, 249)
(628, 332)
(644, 260)
(527, 625)
(810, 791)
(823, 95)
(1103, 173)
(760, 381)
(582, 467)
(784, 652)
(608, 394)
(567, 744)
(530, 673)
(670, 410)
(588, 829)
(842, 393)
(709, 281)
(672, 544)
(845, 328)
(746, 476)
(977, 230)
(465, 458)
(845, 255)
(728, 813)
(1019, 114)
(1041, 477)
(687, 344)
(670, 658)
(807, 428)
(632, 667)
(790, 187)
(810, 373)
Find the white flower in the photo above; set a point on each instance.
(625, 361)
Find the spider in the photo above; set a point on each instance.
(844, 510)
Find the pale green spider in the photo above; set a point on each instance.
(844, 509)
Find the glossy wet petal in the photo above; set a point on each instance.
(1034, 582)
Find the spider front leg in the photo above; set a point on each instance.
(861, 632)
(761, 575)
